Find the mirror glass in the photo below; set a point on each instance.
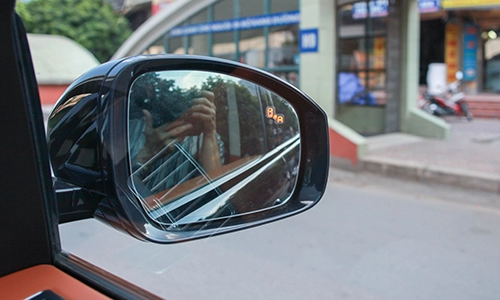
(204, 146)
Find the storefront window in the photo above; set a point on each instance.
(223, 10)
(377, 25)
(362, 54)
(246, 31)
(350, 24)
(251, 8)
(283, 46)
(277, 6)
(492, 63)
(155, 48)
(175, 45)
(291, 77)
(224, 45)
(252, 47)
(198, 44)
(201, 17)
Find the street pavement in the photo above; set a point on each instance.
(370, 237)
(469, 159)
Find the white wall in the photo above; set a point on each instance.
(317, 70)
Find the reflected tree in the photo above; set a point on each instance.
(162, 97)
(248, 110)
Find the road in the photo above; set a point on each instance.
(368, 238)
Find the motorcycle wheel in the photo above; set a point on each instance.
(465, 110)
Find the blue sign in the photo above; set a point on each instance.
(470, 51)
(428, 6)
(309, 40)
(380, 8)
(279, 19)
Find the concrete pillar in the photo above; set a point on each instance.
(317, 70)
(393, 59)
(413, 119)
(317, 78)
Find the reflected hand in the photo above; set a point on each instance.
(202, 115)
(161, 136)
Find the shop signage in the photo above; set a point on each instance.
(451, 57)
(309, 40)
(379, 53)
(379, 8)
(428, 6)
(452, 4)
(470, 51)
(279, 19)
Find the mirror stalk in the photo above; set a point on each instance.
(74, 203)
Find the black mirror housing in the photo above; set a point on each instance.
(88, 136)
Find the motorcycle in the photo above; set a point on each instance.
(452, 102)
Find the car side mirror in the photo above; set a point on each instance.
(171, 148)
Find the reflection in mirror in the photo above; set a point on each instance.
(205, 145)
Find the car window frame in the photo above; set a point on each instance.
(29, 224)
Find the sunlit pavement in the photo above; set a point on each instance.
(470, 158)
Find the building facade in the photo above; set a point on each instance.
(347, 55)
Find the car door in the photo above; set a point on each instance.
(31, 211)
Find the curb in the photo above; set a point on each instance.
(424, 173)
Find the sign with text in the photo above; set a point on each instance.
(279, 19)
(451, 51)
(309, 40)
(470, 51)
(380, 8)
(429, 6)
(449, 4)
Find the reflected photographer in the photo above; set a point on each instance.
(172, 133)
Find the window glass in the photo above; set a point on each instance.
(292, 77)
(252, 47)
(251, 8)
(361, 58)
(283, 46)
(277, 6)
(224, 10)
(377, 25)
(198, 44)
(349, 24)
(224, 45)
(156, 48)
(348, 50)
(201, 17)
(175, 45)
(492, 62)
(354, 22)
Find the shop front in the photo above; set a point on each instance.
(261, 33)
(344, 54)
(361, 72)
(368, 34)
(464, 36)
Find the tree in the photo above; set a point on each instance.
(92, 23)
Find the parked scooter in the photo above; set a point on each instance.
(452, 102)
